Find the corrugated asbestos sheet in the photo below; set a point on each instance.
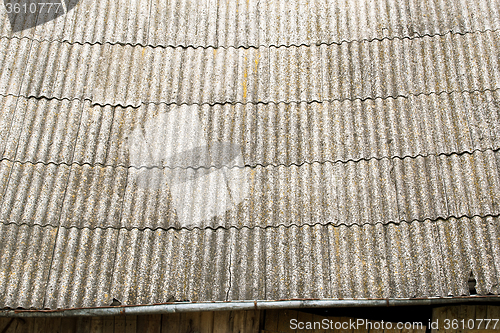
(160, 151)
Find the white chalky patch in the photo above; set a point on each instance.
(204, 180)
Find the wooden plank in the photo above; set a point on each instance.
(307, 320)
(23, 325)
(333, 323)
(343, 320)
(31, 324)
(108, 324)
(481, 313)
(493, 312)
(96, 325)
(207, 322)
(465, 312)
(223, 321)
(364, 328)
(407, 330)
(68, 324)
(451, 314)
(171, 323)
(39, 325)
(421, 330)
(142, 323)
(438, 316)
(393, 328)
(119, 324)
(5, 323)
(52, 325)
(284, 320)
(271, 320)
(376, 326)
(320, 319)
(10, 326)
(415, 329)
(83, 324)
(130, 324)
(190, 322)
(253, 321)
(149, 324)
(239, 321)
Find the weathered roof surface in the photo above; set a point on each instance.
(154, 152)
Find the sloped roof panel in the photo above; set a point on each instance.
(81, 268)
(358, 70)
(8, 106)
(172, 265)
(34, 194)
(364, 192)
(24, 264)
(256, 23)
(94, 196)
(472, 184)
(370, 261)
(14, 55)
(285, 23)
(250, 150)
(49, 130)
(336, 262)
(184, 23)
(61, 70)
(484, 119)
(93, 21)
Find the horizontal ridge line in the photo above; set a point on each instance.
(361, 99)
(227, 228)
(256, 47)
(254, 166)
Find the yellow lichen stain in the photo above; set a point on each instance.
(257, 59)
(245, 83)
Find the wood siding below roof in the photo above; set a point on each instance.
(265, 321)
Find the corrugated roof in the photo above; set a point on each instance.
(349, 71)
(249, 150)
(256, 23)
(90, 267)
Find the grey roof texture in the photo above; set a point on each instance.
(157, 151)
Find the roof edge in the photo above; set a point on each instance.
(244, 305)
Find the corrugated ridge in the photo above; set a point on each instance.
(24, 264)
(93, 196)
(34, 39)
(285, 23)
(346, 72)
(173, 267)
(340, 262)
(81, 270)
(277, 135)
(48, 131)
(93, 21)
(254, 23)
(353, 193)
(14, 55)
(8, 105)
(91, 267)
(288, 225)
(34, 194)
